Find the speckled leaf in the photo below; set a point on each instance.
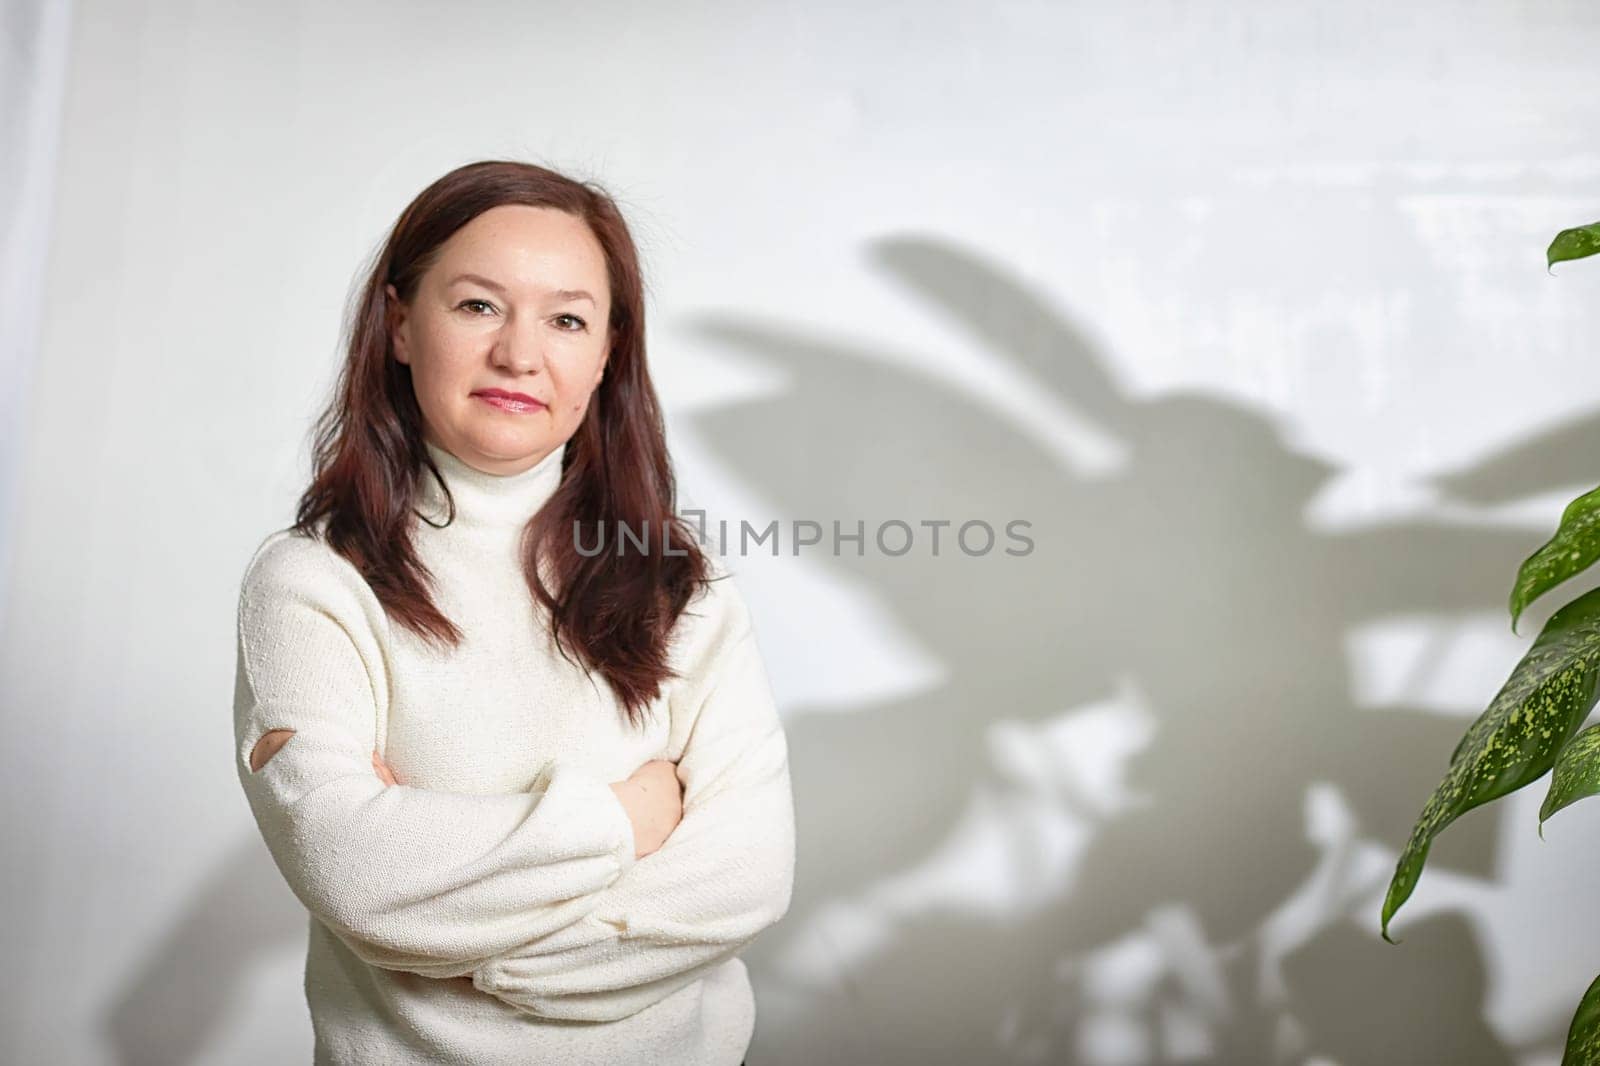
(1575, 243)
(1575, 545)
(1583, 1036)
(1514, 741)
(1576, 775)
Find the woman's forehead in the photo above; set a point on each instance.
(525, 250)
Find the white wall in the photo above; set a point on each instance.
(1242, 305)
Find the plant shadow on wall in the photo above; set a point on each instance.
(1206, 906)
(1220, 913)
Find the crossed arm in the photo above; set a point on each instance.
(537, 896)
(726, 872)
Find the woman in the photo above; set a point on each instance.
(535, 795)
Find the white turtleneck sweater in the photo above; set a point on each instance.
(489, 909)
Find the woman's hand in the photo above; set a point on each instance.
(653, 797)
(381, 768)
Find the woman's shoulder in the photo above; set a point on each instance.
(715, 615)
(297, 564)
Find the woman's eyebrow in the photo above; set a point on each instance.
(480, 280)
(560, 294)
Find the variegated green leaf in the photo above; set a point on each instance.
(1516, 739)
(1575, 243)
(1583, 1036)
(1576, 774)
(1575, 545)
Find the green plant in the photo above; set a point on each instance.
(1531, 725)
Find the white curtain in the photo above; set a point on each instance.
(33, 69)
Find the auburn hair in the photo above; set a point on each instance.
(615, 610)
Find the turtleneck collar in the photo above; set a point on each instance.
(487, 501)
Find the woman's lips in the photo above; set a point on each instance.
(506, 403)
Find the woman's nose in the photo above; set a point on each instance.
(519, 347)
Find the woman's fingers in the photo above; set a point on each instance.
(381, 768)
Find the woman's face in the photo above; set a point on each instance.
(517, 301)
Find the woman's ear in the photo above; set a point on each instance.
(394, 322)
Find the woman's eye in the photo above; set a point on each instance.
(581, 324)
(476, 303)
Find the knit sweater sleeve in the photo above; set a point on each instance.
(723, 875)
(414, 879)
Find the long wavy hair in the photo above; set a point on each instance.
(614, 610)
